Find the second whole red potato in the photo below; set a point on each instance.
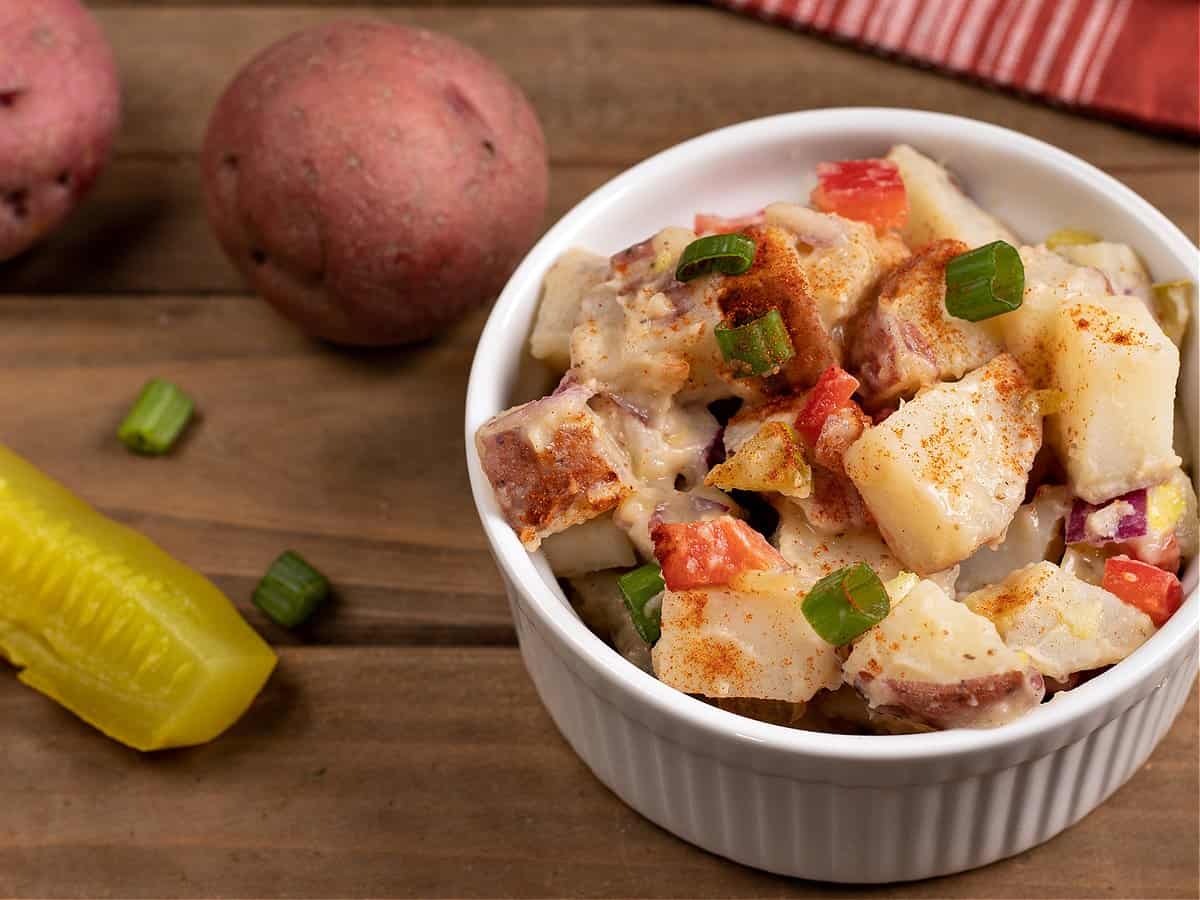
(373, 182)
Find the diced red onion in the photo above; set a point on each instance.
(568, 381)
(714, 454)
(633, 253)
(628, 406)
(1109, 522)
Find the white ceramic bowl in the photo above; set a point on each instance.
(847, 808)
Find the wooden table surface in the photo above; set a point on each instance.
(400, 749)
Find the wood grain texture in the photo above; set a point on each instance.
(436, 773)
(611, 85)
(356, 460)
(144, 231)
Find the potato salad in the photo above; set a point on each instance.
(868, 464)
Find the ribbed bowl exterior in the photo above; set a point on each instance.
(827, 831)
(848, 808)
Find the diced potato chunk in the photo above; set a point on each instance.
(1050, 281)
(842, 260)
(937, 207)
(815, 555)
(1034, 534)
(777, 281)
(648, 338)
(574, 274)
(552, 464)
(935, 662)
(1117, 371)
(668, 444)
(834, 506)
(750, 419)
(946, 472)
(770, 461)
(1125, 273)
(726, 642)
(908, 340)
(589, 547)
(1063, 624)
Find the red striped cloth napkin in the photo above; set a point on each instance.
(1131, 59)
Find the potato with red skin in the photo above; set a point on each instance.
(60, 104)
(934, 662)
(374, 182)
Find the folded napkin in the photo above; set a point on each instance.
(1130, 59)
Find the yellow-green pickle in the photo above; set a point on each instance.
(103, 621)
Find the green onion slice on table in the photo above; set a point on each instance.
(291, 590)
(845, 603)
(985, 282)
(729, 254)
(639, 587)
(158, 417)
(758, 347)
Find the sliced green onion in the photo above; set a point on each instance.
(1068, 237)
(758, 347)
(845, 603)
(984, 282)
(638, 588)
(158, 417)
(291, 590)
(730, 254)
(1173, 308)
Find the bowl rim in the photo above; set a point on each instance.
(1088, 700)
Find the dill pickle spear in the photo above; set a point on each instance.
(103, 621)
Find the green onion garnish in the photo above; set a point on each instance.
(985, 282)
(291, 590)
(638, 588)
(730, 254)
(845, 603)
(758, 347)
(157, 418)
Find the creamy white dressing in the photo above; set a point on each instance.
(941, 479)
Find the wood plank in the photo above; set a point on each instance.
(476, 5)
(144, 229)
(354, 460)
(612, 85)
(437, 773)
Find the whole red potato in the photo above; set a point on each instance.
(60, 103)
(373, 181)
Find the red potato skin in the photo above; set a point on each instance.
(60, 105)
(958, 704)
(373, 182)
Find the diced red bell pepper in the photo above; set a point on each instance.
(832, 391)
(710, 224)
(867, 190)
(1154, 591)
(704, 554)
